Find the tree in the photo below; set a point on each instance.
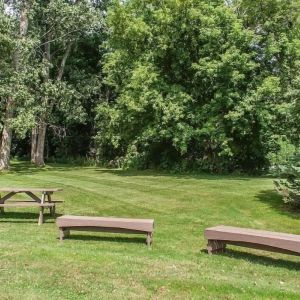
(59, 26)
(276, 26)
(178, 70)
(14, 73)
(196, 84)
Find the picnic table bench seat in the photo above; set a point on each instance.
(218, 237)
(105, 224)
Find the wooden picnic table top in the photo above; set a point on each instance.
(33, 190)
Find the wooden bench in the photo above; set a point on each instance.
(218, 237)
(115, 225)
(42, 206)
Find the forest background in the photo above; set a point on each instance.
(176, 84)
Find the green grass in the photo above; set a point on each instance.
(35, 265)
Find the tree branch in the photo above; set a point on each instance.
(63, 62)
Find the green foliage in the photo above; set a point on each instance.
(289, 186)
(194, 87)
(39, 96)
(283, 156)
(16, 70)
(66, 23)
(211, 85)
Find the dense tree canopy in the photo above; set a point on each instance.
(199, 83)
(184, 84)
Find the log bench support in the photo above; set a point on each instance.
(63, 233)
(149, 238)
(114, 225)
(215, 246)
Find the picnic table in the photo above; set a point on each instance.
(39, 197)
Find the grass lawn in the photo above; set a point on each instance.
(35, 265)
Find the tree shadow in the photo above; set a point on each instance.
(115, 239)
(28, 168)
(271, 198)
(159, 173)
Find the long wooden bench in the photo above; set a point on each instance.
(42, 206)
(115, 225)
(218, 237)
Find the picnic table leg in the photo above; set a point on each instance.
(2, 208)
(4, 198)
(33, 196)
(41, 216)
(51, 208)
(43, 197)
(52, 211)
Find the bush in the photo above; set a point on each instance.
(289, 187)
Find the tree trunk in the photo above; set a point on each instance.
(40, 146)
(34, 136)
(38, 137)
(6, 136)
(9, 111)
(63, 62)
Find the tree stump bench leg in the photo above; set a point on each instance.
(63, 233)
(149, 239)
(215, 246)
(41, 216)
(2, 210)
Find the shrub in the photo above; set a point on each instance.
(289, 186)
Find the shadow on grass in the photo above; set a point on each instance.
(25, 217)
(275, 201)
(159, 173)
(259, 259)
(27, 168)
(115, 239)
(262, 260)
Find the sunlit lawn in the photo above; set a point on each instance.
(35, 265)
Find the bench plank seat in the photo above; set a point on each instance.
(219, 236)
(105, 224)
